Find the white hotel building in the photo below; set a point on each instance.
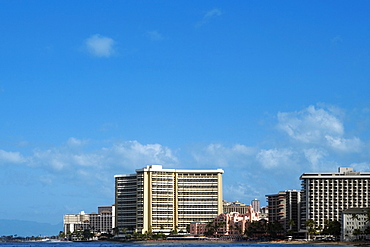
(326, 195)
(162, 200)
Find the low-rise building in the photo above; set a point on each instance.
(102, 222)
(197, 228)
(76, 222)
(355, 224)
(229, 207)
(234, 223)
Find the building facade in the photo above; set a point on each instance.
(76, 222)
(234, 224)
(102, 222)
(198, 228)
(230, 207)
(256, 205)
(326, 195)
(164, 200)
(285, 208)
(355, 224)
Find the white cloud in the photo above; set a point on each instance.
(212, 13)
(209, 15)
(121, 154)
(74, 142)
(336, 40)
(11, 157)
(314, 156)
(217, 155)
(100, 46)
(344, 145)
(154, 35)
(76, 163)
(135, 154)
(318, 127)
(361, 167)
(310, 125)
(273, 158)
(239, 191)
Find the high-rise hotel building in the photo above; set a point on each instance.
(326, 195)
(162, 200)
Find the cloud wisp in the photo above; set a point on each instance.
(76, 162)
(100, 46)
(154, 35)
(208, 16)
(320, 127)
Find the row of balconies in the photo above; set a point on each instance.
(182, 184)
(209, 203)
(187, 181)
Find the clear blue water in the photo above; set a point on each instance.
(163, 244)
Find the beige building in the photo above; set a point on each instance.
(285, 208)
(326, 195)
(230, 207)
(102, 222)
(76, 222)
(163, 200)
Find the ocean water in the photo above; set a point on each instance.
(160, 244)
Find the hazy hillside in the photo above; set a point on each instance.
(28, 228)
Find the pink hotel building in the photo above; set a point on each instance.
(227, 224)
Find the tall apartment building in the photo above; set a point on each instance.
(256, 205)
(161, 200)
(285, 208)
(326, 195)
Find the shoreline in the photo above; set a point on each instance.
(362, 244)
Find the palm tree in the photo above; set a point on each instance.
(310, 223)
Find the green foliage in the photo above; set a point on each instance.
(332, 227)
(310, 224)
(368, 215)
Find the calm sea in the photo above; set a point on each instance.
(167, 244)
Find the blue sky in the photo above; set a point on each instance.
(265, 90)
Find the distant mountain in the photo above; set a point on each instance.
(28, 228)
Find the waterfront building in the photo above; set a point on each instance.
(355, 224)
(165, 200)
(256, 205)
(102, 222)
(234, 223)
(197, 228)
(76, 222)
(285, 208)
(326, 195)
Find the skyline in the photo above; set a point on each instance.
(265, 91)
